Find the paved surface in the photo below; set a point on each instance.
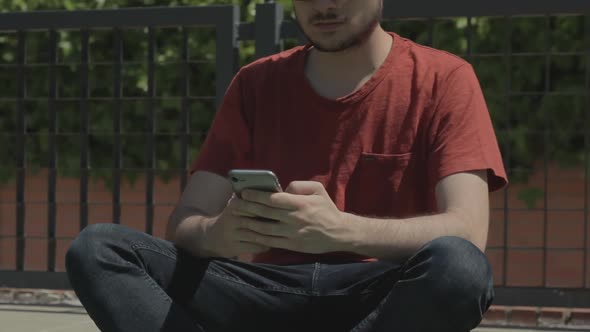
(44, 319)
(24, 318)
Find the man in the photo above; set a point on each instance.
(387, 154)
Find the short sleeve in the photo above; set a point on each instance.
(228, 141)
(462, 137)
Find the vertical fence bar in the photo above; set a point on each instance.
(84, 127)
(507, 95)
(52, 152)
(392, 25)
(431, 22)
(226, 62)
(269, 19)
(469, 38)
(117, 150)
(150, 133)
(587, 152)
(546, 144)
(184, 116)
(21, 133)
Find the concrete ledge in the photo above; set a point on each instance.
(56, 318)
(497, 319)
(38, 297)
(548, 318)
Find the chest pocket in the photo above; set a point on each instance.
(378, 184)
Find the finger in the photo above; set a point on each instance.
(238, 207)
(229, 200)
(265, 240)
(271, 228)
(243, 214)
(260, 210)
(305, 188)
(233, 203)
(246, 235)
(276, 200)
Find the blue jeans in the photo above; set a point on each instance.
(130, 281)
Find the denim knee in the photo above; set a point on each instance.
(459, 277)
(445, 286)
(89, 243)
(459, 265)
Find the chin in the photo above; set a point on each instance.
(328, 45)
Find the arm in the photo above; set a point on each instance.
(207, 194)
(308, 220)
(463, 203)
(461, 140)
(203, 199)
(205, 221)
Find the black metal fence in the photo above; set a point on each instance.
(270, 32)
(224, 19)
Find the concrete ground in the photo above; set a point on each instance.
(25, 318)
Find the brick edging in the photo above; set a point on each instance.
(38, 297)
(578, 318)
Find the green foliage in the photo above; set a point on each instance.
(533, 119)
(531, 196)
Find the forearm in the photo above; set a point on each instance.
(393, 239)
(188, 231)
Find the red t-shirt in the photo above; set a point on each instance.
(379, 151)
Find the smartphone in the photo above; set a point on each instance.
(263, 180)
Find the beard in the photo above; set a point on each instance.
(355, 39)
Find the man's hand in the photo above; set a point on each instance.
(223, 235)
(304, 219)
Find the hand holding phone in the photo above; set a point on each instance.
(263, 180)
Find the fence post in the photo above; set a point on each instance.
(586, 283)
(226, 62)
(269, 18)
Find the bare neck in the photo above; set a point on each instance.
(358, 62)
